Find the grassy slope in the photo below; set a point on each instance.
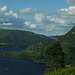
(68, 71)
(19, 38)
(68, 45)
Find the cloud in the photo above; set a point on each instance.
(9, 19)
(62, 22)
(5, 13)
(4, 8)
(67, 15)
(28, 11)
(33, 26)
(27, 23)
(7, 24)
(41, 22)
(10, 13)
(30, 25)
(41, 17)
(72, 2)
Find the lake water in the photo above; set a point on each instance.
(19, 66)
(3, 50)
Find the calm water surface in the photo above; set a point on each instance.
(3, 50)
(19, 66)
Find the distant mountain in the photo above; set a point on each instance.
(19, 38)
(55, 37)
(68, 44)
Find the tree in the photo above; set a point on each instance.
(54, 52)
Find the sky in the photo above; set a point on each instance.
(47, 17)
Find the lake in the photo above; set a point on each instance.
(3, 50)
(19, 66)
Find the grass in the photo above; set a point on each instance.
(68, 71)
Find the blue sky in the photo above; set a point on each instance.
(48, 17)
(46, 5)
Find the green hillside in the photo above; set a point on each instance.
(34, 52)
(68, 45)
(19, 38)
(68, 71)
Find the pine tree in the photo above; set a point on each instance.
(54, 51)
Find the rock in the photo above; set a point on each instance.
(9, 69)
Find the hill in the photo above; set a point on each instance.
(34, 52)
(56, 37)
(19, 38)
(68, 45)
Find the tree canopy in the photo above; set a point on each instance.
(54, 52)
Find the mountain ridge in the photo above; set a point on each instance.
(19, 38)
(68, 45)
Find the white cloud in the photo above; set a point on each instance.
(33, 26)
(6, 24)
(4, 8)
(41, 17)
(67, 15)
(62, 22)
(41, 22)
(69, 11)
(10, 13)
(9, 19)
(30, 24)
(4, 12)
(27, 23)
(27, 11)
(71, 2)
